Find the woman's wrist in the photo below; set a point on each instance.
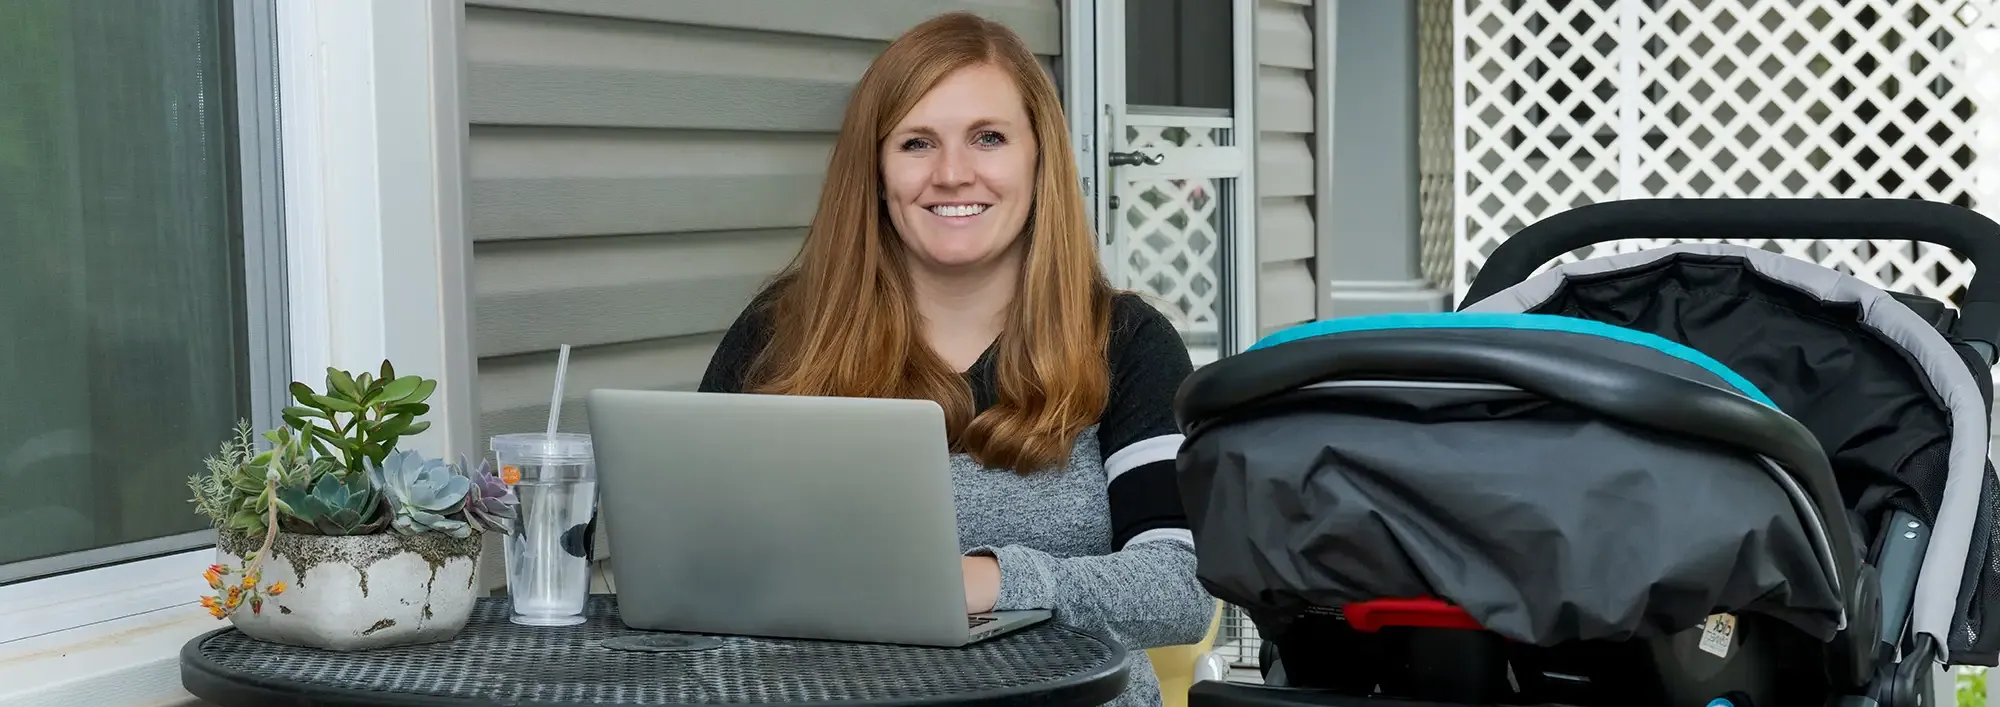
(982, 583)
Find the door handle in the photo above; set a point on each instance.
(1131, 159)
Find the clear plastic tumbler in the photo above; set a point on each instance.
(555, 479)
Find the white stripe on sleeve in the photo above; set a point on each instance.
(1141, 453)
(1158, 534)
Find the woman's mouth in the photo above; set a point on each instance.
(957, 210)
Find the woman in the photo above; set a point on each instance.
(951, 259)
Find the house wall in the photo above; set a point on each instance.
(1287, 293)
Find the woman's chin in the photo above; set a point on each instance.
(960, 259)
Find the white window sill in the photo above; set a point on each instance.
(134, 660)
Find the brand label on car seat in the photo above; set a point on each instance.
(1716, 634)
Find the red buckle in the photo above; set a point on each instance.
(1372, 616)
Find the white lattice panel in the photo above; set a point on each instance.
(1170, 237)
(1566, 103)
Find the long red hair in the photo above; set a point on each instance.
(845, 324)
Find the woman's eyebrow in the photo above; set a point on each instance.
(976, 125)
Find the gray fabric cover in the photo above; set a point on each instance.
(1367, 489)
(1944, 565)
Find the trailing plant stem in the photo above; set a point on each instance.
(229, 598)
(270, 526)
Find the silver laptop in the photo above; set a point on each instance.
(784, 516)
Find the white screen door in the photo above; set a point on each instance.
(1161, 108)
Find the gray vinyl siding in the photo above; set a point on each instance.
(1286, 242)
(638, 167)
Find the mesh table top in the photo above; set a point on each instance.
(497, 662)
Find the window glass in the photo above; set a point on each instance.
(121, 310)
(1178, 53)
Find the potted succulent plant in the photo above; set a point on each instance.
(332, 537)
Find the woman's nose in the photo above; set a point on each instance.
(953, 168)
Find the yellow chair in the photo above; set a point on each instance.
(1175, 665)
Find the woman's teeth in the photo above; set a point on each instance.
(958, 209)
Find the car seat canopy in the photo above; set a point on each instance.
(1895, 404)
(1509, 465)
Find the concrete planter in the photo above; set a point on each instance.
(359, 592)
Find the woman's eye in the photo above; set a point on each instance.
(915, 143)
(990, 139)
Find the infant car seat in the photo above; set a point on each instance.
(1695, 473)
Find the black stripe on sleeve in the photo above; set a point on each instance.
(1137, 434)
(1145, 503)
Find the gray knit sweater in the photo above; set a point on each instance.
(1101, 542)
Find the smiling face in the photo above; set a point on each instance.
(958, 173)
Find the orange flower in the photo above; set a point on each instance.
(214, 578)
(249, 580)
(217, 611)
(209, 602)
(275, 589)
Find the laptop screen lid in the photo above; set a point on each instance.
(785, 516)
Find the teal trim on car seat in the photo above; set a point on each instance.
(1505, 320)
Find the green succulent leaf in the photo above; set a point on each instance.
(348, 447)
(401, 388)
(417, 428)
(304, 394)
(336, 404)
(411, 409)
(388, 371)
(246, 522)
(293, 524)
(244, 481)
(423, 393)
(394, 426)
(321, 433)
(295, 498)
(339, 382)
(330, 491)
(298, 411)
(325, 465)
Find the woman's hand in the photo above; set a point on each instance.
(982, 583)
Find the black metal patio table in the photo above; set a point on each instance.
(495, 662)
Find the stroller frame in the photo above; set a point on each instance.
(1901, 647)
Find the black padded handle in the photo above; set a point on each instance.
(1962, 230)
(1615, 389)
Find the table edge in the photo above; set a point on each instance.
(229, 688)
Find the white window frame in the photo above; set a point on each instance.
(365, 213)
